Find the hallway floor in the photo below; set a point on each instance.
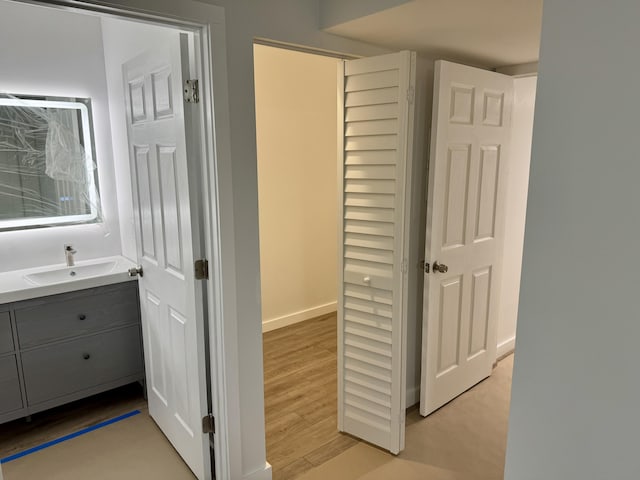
(464, 440)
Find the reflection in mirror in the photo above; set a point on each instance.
(47, 169)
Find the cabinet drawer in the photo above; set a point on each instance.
(57, 370)
(6, 335)
(10, 395)
(78, 313)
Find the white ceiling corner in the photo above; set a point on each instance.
(487, 33)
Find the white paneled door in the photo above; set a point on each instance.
(376, 125)
(171, 298)
(465, 227)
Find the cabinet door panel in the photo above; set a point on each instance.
(85, 363)
(75, 314)
(10, 396)
(6, 336)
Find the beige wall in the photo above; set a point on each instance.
(296, 119)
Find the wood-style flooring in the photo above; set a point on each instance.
(300, 389)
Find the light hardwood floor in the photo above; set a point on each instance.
(464, 440)
(300, 387)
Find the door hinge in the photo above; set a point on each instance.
(191, 91)
(208, 424)
(411, 95)
(202, 269)
(404, 265)
(425, 266)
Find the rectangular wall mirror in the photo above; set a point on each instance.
(47, 162)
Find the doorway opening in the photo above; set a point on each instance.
(128, 383)
(283, 391)
(296, 124)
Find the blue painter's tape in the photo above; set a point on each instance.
(69, 437)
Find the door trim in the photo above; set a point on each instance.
(303, 49)
(208, 26)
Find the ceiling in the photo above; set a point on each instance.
(487, 33)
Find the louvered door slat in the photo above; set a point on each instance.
(372, 80)
(367, 293)
(372, 112)
(376, 172)
(367, 185)
(372, 127)
(372, 97)
(382, 157)
(365, 318)
(370, 312)
(356, 378)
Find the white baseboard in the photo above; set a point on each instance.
(413, 396)
(300, 316)
(506, 346)
(263, 474)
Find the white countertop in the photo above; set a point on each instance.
(15, 286)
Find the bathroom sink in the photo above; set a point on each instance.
(68, 274)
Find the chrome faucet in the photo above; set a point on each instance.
(69, 252)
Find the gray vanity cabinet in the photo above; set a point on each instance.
(61, 348)
(6, 336)
(10, 392)
(11, 398)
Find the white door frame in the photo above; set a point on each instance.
(208, 25)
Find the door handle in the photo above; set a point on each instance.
(440, 267)
(136, 271)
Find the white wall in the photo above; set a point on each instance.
(516, 208)
(124, 40)
(297, 124)
(59, 54)
(575, 394)
(335, 12)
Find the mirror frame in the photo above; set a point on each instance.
(83, 105)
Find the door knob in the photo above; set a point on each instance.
(440, 267)
(135, 271)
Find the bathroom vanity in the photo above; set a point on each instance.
(58, 348)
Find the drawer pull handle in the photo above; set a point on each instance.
(82, 316)
(86, 356)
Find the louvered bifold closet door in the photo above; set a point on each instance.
(374, 146)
